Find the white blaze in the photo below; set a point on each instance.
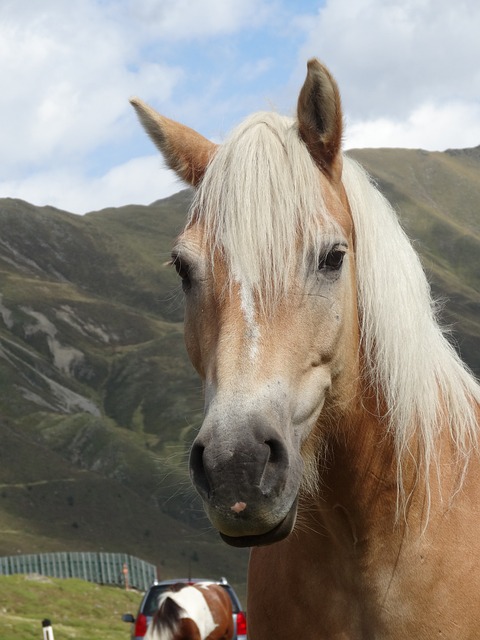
(252, 333)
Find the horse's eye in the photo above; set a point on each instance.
(333, 260)
(183, 270)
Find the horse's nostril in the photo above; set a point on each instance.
(278, 453)
(275, 465)
(197, 470)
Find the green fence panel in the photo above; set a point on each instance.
(101, 568)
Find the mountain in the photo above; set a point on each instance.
(437, 195)
(98, 402)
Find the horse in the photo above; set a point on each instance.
(340, 436)
(200, 611)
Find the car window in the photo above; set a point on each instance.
(151, 603)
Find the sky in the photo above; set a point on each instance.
(408, 72)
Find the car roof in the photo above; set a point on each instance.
(190, 581)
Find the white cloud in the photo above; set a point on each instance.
(184, 19)
(431, 127)
(139, 181)
(407, 70)
(391, 55)
(68, 69)
(393, 58)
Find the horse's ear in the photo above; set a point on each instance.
(320, 119)
(185, 151)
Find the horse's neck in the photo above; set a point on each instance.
(362, 482)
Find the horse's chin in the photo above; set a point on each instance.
(279, 532)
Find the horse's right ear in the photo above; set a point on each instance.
(185, 151)
(320, 120)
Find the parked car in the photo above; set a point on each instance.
(149, 605)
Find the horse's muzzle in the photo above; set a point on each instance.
(281, 531)
(248, 478)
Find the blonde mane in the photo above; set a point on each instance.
(261, 194)
(426, 386)
(260, 199)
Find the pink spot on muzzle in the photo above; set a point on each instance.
(239, 506)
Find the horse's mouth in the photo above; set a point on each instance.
(281, 531)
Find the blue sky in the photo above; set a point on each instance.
(408, 71)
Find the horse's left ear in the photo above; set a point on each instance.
(320, 121)
(185, 151)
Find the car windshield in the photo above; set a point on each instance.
(151, 603)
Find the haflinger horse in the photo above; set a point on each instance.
(340, 437)
(200, 611)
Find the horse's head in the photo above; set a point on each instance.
(266, 262)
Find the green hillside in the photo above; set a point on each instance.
(76, 609)
(437, 196)
(98, 401)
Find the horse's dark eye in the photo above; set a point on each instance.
(333, 260)
(183, 270)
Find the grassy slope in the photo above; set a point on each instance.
(48, 505)
(76, 609)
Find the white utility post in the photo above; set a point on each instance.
(47, 630)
